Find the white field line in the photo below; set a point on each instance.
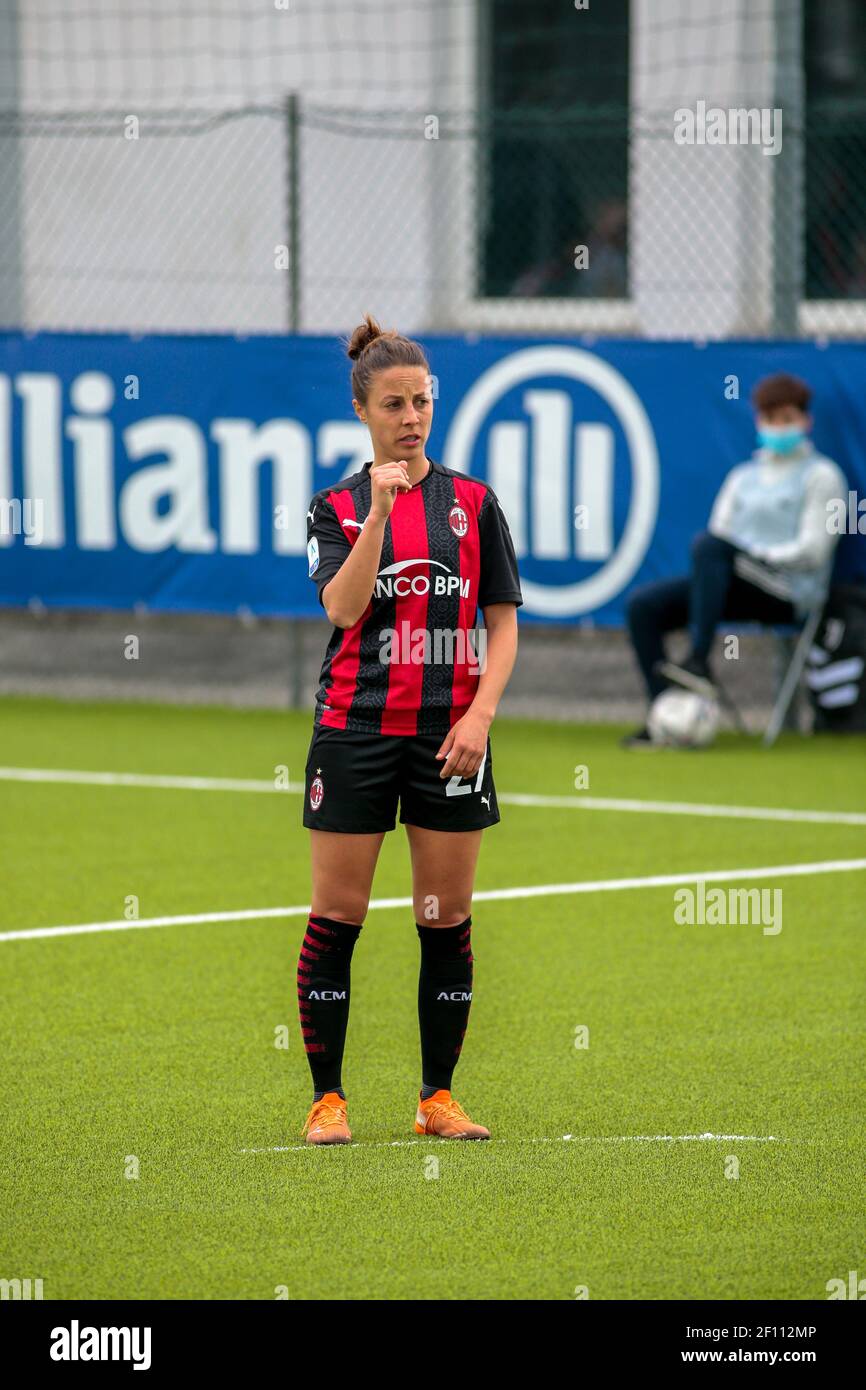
(539, 890)
(685, 808)
(560, 1139)
(567, 803)
(143, 779)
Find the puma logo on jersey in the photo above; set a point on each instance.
(486, 800)
(347, 521)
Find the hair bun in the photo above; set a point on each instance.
(365, 334)
(388, 348)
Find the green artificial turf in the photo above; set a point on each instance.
(155, 1049)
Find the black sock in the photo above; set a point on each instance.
(317, 1095)
(323, 997)
(444, 1000)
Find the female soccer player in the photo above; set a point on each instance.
(404, 553)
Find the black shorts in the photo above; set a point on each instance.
(354, 781)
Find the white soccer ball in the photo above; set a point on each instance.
(683, 719)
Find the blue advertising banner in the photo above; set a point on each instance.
(176, 472)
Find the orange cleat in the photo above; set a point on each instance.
(441, 1115)
(327, 1122)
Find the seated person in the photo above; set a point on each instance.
(766, 556)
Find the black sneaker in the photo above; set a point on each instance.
(693, 674)
(639, 739)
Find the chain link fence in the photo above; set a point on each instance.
(664, 170)
(126, 225)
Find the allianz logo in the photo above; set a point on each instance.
(572, 448)
(166, 500)
(560, 475)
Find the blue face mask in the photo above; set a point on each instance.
(780, 441)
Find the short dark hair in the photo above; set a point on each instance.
(781, 389)
(373, 349)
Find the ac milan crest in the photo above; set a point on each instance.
(458, 521)
(317, 791)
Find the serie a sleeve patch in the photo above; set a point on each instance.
(313, 555)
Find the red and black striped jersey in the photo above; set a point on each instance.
(408, 665)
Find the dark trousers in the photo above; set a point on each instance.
(699, 601)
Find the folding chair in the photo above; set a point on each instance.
(791, 678)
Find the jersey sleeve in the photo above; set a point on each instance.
(722, 515)
(500, 581)
(327, 543)
(812, 547)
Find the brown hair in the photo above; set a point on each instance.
(373, 349)
(781, 389)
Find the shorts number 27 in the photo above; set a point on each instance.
(454, 788)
